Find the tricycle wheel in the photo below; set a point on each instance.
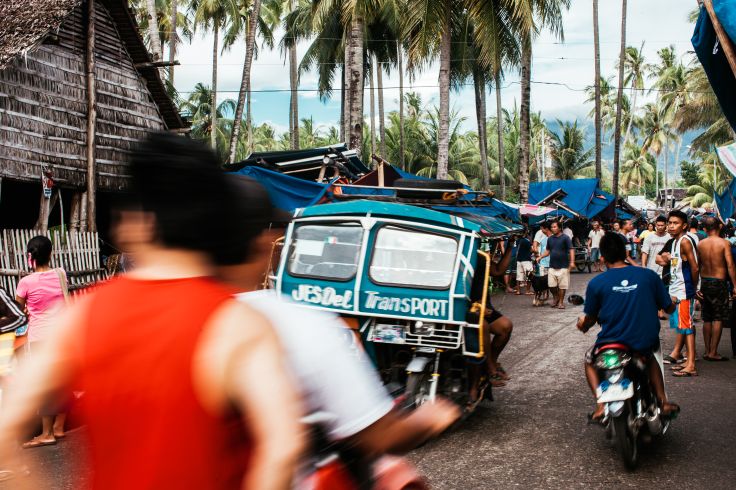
(417, 390)
(580, 267)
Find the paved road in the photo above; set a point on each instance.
(535, 434)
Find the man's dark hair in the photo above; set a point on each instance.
(711, 224)
(544, 225)
(40, 249)
(613, 248)
(678, 214)
(694, 223)
(555, 222)
(180, 182)
(660, 219)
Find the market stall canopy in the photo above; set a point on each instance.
(286, 192)
(307, 164)
(713, 38)
(571, 198)
(726, 202)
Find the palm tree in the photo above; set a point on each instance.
(635, 76)
(547, 14)
(638, 168)
(620, 94)
(597, 95)
(253, 17)
(153, 34)
(569, 157)
(213, 14)
(711, 168)
(205, 123)
(173, 39)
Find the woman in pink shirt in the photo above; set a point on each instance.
(42, 294)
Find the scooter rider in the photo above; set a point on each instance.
(625, 300)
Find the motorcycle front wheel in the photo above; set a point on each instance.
(625, 440)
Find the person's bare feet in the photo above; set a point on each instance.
(40, 441)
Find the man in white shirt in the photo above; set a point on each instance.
(653, 244)
(568, 231)
(594, 241)
(335, 378)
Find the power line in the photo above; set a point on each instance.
(411, 87)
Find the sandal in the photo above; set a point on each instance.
(668, 359)
(37, 443)
(684, 374)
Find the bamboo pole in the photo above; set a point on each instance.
(91, 117)
(726, 43)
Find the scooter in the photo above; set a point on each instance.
(632, 415)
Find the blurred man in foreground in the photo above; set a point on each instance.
(335, 380)
(177, 393)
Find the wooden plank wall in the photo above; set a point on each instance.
(78, 253)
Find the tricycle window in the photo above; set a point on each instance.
(326, 251)
(405, 257)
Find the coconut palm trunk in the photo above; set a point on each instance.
(372, 109)
(172, 40)
(250, 42)
(400, 55)
(293, 85)
(355, 84)
(249, 119)
(619, 98)
(499, 128)
(213, 102)
(666, 175)
(630, 123)
(381, 115)
(480, 112)
(597, 49)
(524, 122)
(153, 34)
(343, 102)
(443, 143)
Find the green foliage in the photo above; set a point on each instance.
(690, 173)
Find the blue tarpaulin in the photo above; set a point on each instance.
(583, 195)
(286, 192)
(726, 12)
(711, 56)
(726, 202)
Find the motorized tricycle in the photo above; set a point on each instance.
(411, 282)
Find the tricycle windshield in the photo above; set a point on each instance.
(405, 257)
(326, 251)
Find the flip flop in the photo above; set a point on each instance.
(684, 374)
(36, 443)
(714, 359)
(668, 359)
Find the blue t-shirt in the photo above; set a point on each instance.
(625, 300)
(559, 251)
(524, 252)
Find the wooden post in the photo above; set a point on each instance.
(74, 211)
(83, 217)
(726, 43)
(91, 117)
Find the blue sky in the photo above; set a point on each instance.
(656, 23)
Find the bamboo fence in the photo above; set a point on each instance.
(78, 253)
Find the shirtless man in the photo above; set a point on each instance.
(716, 269)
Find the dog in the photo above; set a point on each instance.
(540, 285)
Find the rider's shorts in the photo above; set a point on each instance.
(715, 299)
(682, 318)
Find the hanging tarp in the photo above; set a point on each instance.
(726, 202)
(727, 155)
(714, 61)
(286, 192)
(725, 10)
(583, 198)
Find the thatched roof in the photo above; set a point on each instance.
(25, 23)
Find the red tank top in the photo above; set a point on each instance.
(146, 427)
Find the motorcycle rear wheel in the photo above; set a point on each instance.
(626, 442)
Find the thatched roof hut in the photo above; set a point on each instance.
(44, 106)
